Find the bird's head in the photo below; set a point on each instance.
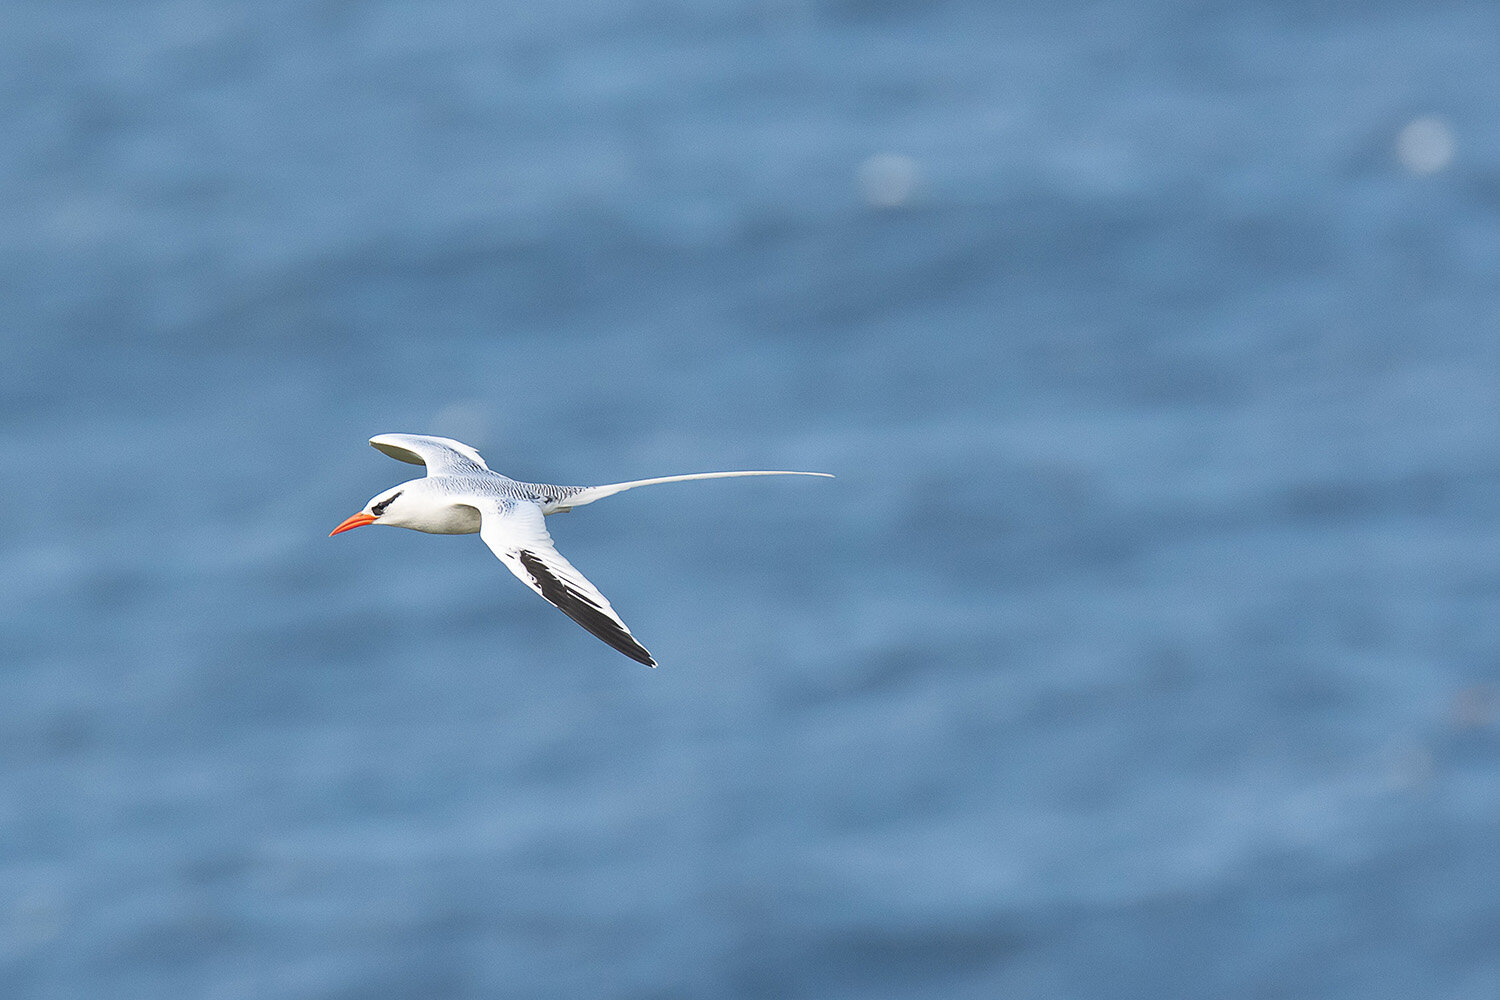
(385, 508)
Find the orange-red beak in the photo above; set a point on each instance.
(354, 522)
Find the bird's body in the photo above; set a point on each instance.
(460, 495)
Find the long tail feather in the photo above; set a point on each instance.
(591, 493)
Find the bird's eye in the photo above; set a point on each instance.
(379, 508)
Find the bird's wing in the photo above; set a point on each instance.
(588, 494)
(442, 456)
(514, 531)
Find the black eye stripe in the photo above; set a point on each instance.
(379, 508)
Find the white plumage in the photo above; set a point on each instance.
(461, 495)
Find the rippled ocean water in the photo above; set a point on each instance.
(1145, 645)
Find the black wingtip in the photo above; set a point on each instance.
(583, 611)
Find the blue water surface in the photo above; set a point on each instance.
(1145, 645)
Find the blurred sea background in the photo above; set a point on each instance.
(1145, 645)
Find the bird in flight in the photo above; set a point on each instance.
(460, 495)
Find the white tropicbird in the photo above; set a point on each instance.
(460, 495)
